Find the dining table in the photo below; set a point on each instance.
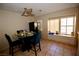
(25, 40)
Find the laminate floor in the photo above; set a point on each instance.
(48, 48)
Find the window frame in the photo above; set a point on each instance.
(67, 25)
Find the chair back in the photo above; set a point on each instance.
(36, 38)
(8, 38)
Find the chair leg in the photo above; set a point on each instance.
(12, 52)
(39, 46)
(9, 50)
(35, 50)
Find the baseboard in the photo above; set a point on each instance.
(63, 43)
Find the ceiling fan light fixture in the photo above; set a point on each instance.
(27, 12)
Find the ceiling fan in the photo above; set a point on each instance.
(27, 12)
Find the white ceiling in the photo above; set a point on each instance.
(45, 7)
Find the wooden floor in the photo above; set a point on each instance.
(48, 48)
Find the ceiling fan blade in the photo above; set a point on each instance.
(25, 8)
(26, 15)
(32, 15)
(31, 10)
(24, 11)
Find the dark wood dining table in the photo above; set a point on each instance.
(25, 40)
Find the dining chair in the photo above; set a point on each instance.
(36, 41)
(12, 44)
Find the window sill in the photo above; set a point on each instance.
(63, 35)
(66, 35)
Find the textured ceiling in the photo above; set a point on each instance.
(45, 7)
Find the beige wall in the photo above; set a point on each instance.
(9, 23)
(77, 19)
(77, 29)
(44, 27)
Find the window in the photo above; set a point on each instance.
(63, 25)
(53, 25)
(67, 25)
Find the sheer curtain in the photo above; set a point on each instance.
(53, 25)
